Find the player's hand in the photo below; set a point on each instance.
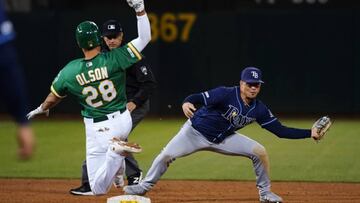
(314, 134)
(131, 106)
(37, 111)
(188, 109)
(137, 5)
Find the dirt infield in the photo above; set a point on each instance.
(54, 191)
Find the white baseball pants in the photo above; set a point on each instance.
(102, 163)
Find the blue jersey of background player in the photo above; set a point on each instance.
(212, 128)
(12, 86)
(6, 30)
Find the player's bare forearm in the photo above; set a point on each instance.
(50, 101)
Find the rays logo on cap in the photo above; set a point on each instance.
(251, 75)
(254, 74)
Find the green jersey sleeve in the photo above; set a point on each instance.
(125, 56)
(58, 87)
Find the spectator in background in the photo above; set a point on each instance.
(140, 84)
(12, 86)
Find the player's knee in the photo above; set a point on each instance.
(260, 151)
(166, 158)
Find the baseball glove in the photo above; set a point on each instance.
(322, 125)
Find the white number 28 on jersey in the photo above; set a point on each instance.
(106, 89)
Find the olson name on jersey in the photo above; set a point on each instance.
(92, 75)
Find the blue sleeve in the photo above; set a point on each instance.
(268, 121)
(285, 132)
(264, 115)
(195, 99)
(209, 97)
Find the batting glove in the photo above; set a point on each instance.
(137, 5)
(37, 111)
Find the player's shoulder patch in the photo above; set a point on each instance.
(144, 70)
(264, 108)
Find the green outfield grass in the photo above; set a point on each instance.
(61, 150)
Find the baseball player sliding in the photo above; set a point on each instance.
(98, 83)
(212, 127)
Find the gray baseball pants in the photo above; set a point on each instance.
(188, 141)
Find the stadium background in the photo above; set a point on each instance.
(307, 49)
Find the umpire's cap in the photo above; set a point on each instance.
(251, 75)
(111, 27)
(88, 35)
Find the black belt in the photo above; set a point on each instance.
(104, 118)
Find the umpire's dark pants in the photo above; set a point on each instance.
(132, 167)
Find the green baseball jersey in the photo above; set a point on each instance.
(98, 84)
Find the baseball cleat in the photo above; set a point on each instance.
(134, 190)
(82, 190)
(270, 197)
(119, 146)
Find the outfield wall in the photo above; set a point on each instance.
(309, 56)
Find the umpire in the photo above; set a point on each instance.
(140, 84)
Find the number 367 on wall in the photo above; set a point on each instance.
(170, 27)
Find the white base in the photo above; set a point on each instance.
(128, 199)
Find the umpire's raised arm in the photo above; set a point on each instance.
(143, 25)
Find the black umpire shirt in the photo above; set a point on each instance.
(140, 82)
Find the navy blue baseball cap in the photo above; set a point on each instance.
(251, 75)
(111, 27)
